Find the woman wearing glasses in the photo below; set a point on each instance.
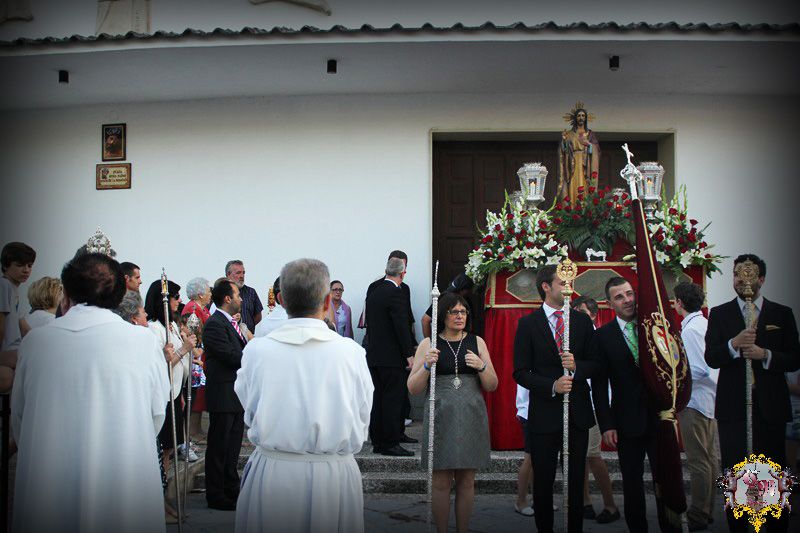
(461, 440)
(339, 313)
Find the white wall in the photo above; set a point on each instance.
(347, 179)
(58, 18)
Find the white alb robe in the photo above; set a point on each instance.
(307, 396)
(87, 403)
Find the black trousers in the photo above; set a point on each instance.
(165, 435)
(631, 452)
(544, 455)
(386, 422)
(225, 431)
(767, 439)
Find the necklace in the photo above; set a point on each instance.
(456, 380)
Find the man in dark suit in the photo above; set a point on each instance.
(388, 350)
(630, 423)
(223, 343)
(774, 348)
(539, 364)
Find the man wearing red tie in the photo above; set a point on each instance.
(223, 343)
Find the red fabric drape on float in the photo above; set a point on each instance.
(664, 369)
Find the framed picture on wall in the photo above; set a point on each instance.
(114, 176)
(114, 140)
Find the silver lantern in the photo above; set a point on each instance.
(649, 188)
(532, 177)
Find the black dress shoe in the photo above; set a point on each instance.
(606, 517)
(397, 451)
(408, 440)
(223, 505)
(588, 512)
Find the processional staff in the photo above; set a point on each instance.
(167, 325)
(432, 395)
(567, 273)
(748, 273)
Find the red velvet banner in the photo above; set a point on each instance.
(506, 301)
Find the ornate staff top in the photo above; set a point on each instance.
(630, 173)
(567, 272)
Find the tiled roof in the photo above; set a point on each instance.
(398, 29)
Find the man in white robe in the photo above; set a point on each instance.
(307, 395)
(87, 403)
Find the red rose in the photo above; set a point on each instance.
(594, 175)
(609, 204)
(477, 248)
(554, 248)
(667, 248)
(592, 189)
(501, 236)
(559, 206)
(488, 238)
(618, 209)
(581, 188)
(498, 227)
(596, 201)
(542, 224)
(682, 217)
(615, 198)
(595, 223)
(509, 248)
(702, 244)
(693, 222)
(529, 245)
(567, 209)
(673, 211)
(683, 249)
(677, 227)
(708, 256)
(626, 203)
(660, 237)
(576, 217)
(500, 255)
(627, 215)
(692, 237)
(601, 194)
(694, 230)
(566, 199)
(558, 220)
(580, 197)
(680, 240)
(510, 216)
(487, 253)
(521, 234)
(624, 196)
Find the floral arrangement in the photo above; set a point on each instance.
(515, 238)
(677, 240)
(595, 219)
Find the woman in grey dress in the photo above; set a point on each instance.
(461, 440)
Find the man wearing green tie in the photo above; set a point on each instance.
(630, 422)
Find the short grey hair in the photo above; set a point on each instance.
(129, 306)
(230, 263)
(304, 285)
(395, 266)
(196, 287)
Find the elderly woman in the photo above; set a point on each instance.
(340, 314)
(44, 296)
(199, 292)
(183, 346)
(461, 441)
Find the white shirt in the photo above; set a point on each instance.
(39, 318)
(9, 304)
(101, 385)
(523, 399)
(272, 321)
(551, 318)
(704, 378)
(757, 305)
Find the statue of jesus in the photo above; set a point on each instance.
(579, 154)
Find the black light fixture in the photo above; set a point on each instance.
(613, 63)
(332, 66)
(63, 76)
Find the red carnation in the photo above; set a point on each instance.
(576, 217)
(594, 175)
(592, 189)
(627, 215)
(500, 255)
(673, 211)
(595, 201)
(558, 220)
(510, 216)
(509, 248)
(692, 237)
(677, 227)
(501, 236)
(660, 237)
(554, 248)
(702, 244)
(542, 224)
(529, 244)
(487, 253)
(693, 221)
(682, 217)
(609, 204)
(626, 203)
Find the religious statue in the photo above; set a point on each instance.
(579, 154)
